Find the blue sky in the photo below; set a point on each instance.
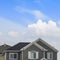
(27, 20)
(9, 10)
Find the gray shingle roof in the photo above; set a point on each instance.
(19, 46)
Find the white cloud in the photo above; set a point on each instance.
(22, 10)
(36, 13)
(39, 15)
(10, 29)
(1, 33)
(46, 29)
(13, 34)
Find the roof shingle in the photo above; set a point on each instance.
(18, 46)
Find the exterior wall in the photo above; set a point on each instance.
(49, 50)
(19, 56)
(33, 47)
(7, 57)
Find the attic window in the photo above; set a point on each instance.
(32, 55)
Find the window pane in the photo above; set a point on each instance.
(15, 55)
(49, 55)
(12, 55)
(33, 55)
(29, 55)
(36, 55)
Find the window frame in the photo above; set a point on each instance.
(49, 54)
(31, 52)
(13, 57)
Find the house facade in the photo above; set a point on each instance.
(2, 48)
(36, 50)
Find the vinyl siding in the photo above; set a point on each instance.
(49, 50)
(34, 48)
(7, 57)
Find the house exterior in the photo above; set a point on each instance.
(36, 50)
(2, 48)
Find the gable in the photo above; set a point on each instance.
(45, 45)
(4, 47)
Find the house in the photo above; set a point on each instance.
(36, 50)
(2, 48)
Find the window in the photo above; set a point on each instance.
(13, 55)
(32, 55)
(50, 55)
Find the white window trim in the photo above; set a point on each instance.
(37, 56)
(13, 58)
(50, 53)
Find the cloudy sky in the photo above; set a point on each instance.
(28, 20)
